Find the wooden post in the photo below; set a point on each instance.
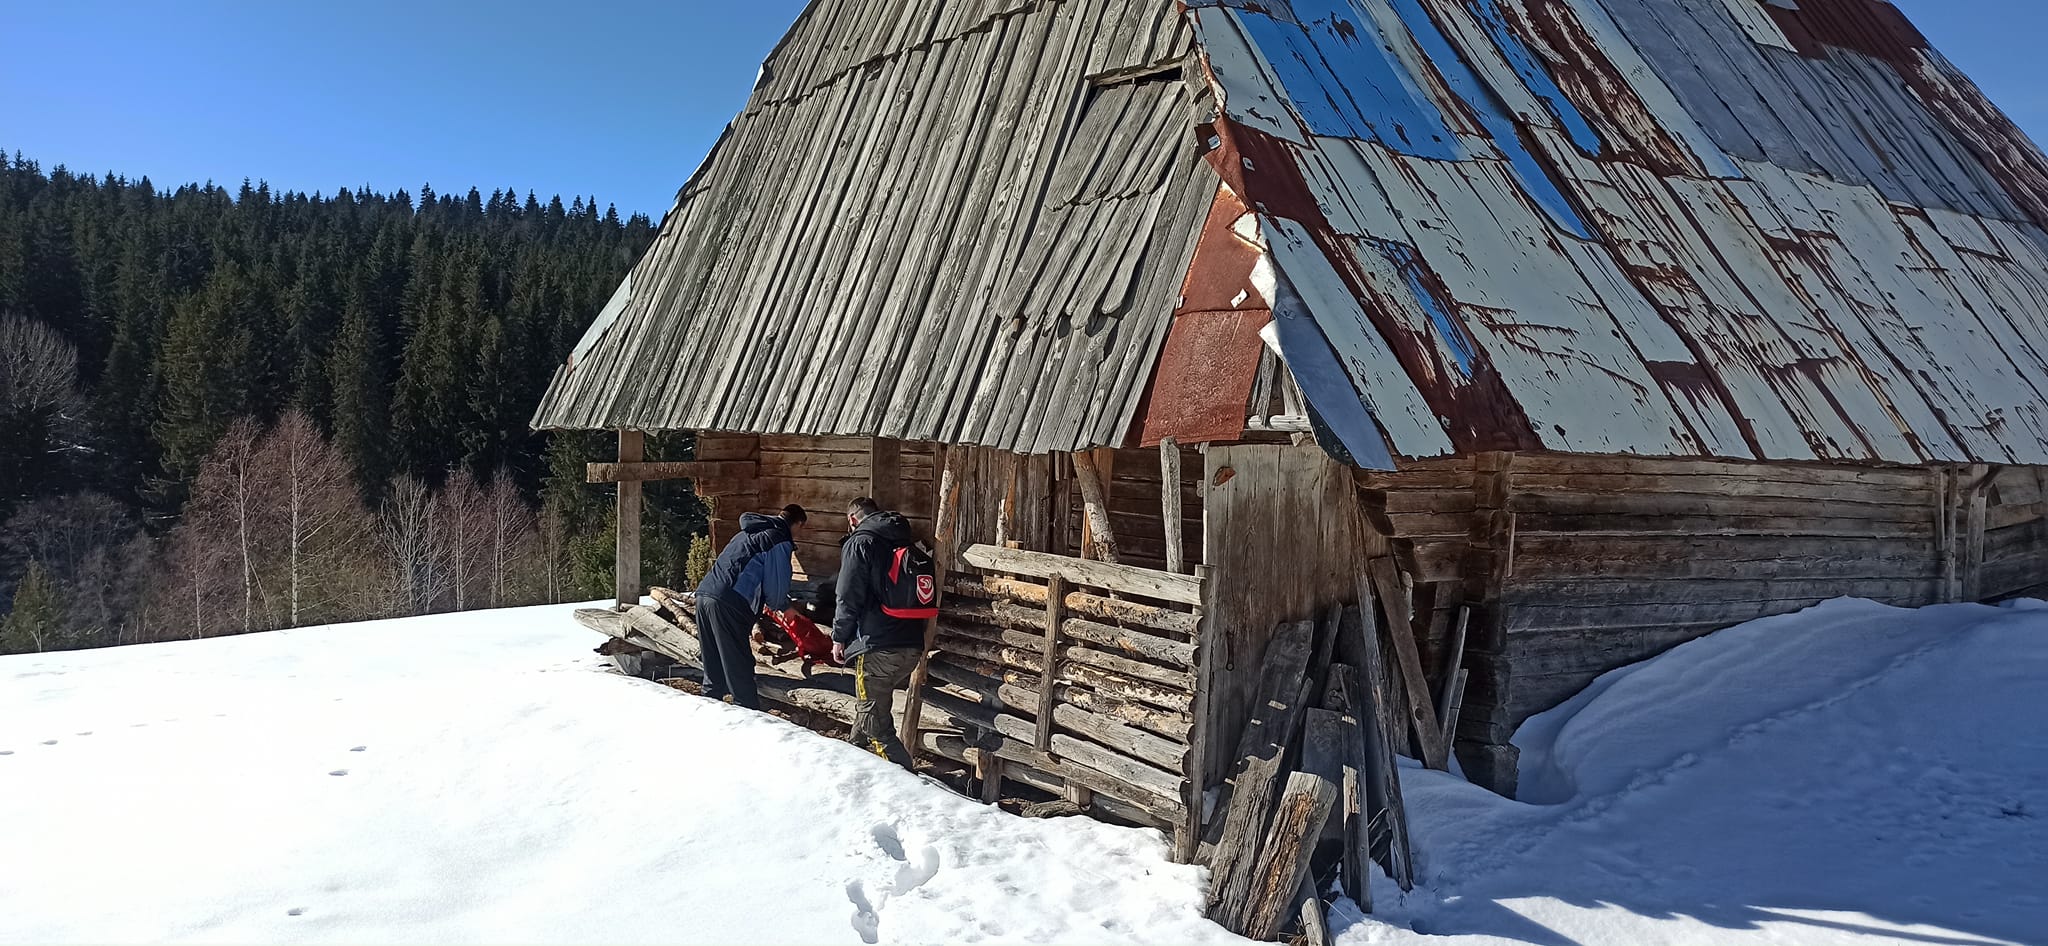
(1187, 838)
(1008, 518)
(1454, 663)
(626, 568)
(1055, 612)
(1169, 504)
(1944, 536)
(1430, 745)
(1975, 513)
(943, 525)
(1092, 475)
(885, 473)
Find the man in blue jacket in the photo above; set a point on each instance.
(882, 650)
(752, 573)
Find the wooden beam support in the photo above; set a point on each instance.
(634, 471)
(885, 474)
(1091, 473)
(1430, 743)
(1169, 505)
(626, 567)
(943, 525)
(1055, 612)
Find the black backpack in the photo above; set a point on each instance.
(910, 586)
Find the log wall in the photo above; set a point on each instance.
(1078, 683)
(818, 473)
(1573, 566)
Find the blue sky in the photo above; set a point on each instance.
(616, 98)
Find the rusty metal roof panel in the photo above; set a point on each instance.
(1721, 228)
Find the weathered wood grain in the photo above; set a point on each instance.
(1262, 751)
(1144, 582)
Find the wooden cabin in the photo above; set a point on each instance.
(1553, 342)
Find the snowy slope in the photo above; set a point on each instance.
(1855, 774)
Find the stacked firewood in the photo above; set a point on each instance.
(1315, 762)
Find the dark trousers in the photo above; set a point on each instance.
(877, 675)
(724, 632)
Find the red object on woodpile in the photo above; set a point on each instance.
(811, 644)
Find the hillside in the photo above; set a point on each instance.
(1854, 774)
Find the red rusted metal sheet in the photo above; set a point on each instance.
(1204, 377)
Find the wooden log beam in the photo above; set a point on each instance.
(943, 525)
(1430, 744)
(987, 683)
(1283, 857)
(1169, 504)
(1144, 582)
(1383, 775)
(635, 471)
(1093, 480)
(885, 473)
(1081, 602)
(1023, 667)
(1049, 658)
(1123, 771)
(1074, 653)
(1454, 663)
(626, 564)
(1130, 643)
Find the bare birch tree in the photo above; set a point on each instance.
(227, 500)
(466, 531)
(412, 535)
(511, 533)
(317, 521)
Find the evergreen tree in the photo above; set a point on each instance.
(207, 370)
(36, 622)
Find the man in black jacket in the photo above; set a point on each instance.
(882, 650)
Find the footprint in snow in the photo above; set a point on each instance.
(295, 911)
(49, 742)
(866, 921)
(359, 749)
(917, 864)
(6, 751)
(339, 772)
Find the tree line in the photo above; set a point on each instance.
(232, 411)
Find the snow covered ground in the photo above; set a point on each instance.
(1855, 774)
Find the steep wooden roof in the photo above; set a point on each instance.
(959, 222)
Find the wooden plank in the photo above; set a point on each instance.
(943, 525)
(1145, 582)
(1101, 538)
(1974, 515)
(626, 565)
(631, 471)
(1389, 813)
(1187, 837)
(885, 478)
(1400, 628)
(1056, 588)
(1284, 856)
(1354, 797)
(1169, 504)
(1261, 751)
(1454, 662)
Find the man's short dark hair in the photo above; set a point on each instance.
(863, 507)
(793, 514)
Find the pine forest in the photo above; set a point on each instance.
(228, 410)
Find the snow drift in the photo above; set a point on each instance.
(1855, 773)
